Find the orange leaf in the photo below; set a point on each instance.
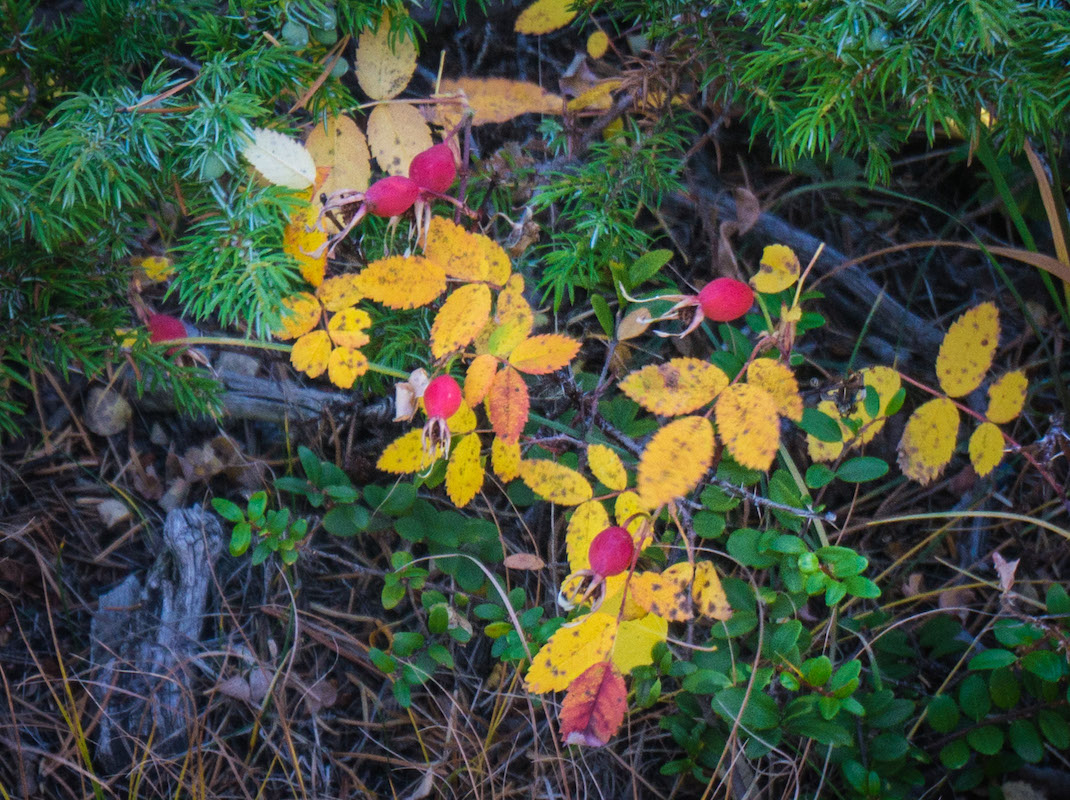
(594, 706)
(460, 319)
(402, 281)
(541, 355)
(477, 382)
(507, 404)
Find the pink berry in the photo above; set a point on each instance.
(611, 552)
(725, 299)
(164, 328)
(442, 397)
(391, 196)
(434, 169)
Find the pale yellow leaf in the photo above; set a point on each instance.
(675, 460)
(929, 440)
(587, 521)
(597, 44)
(708, 594)
(397, 133)
(570, 651)
(1006, 396)
(300, 313)
(606, 465)
(778, 269)
(635, 641)
(678, 386)
(543, 354)
(281, 160)
(748, 425)
(340, 145)
(346, 364)
(505, 458)
(986, 448)
(555, 482)
(464, 472)
(460, 319)
(402, 281)
(478, 378)
(407, 454)
(306, 244)
(545, 16)
(311, 353)
(779, 381)
(827, 451)
(967, 350)
(666, 593)
(496, 100)
(630, 513)
(385, 63)
(339, 292)
(348, 327)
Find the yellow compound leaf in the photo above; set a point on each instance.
(779, 381)
(570, 651)
(630, 513)
(311, 353)
(340, 145)
(460, 319)
(675, 460)
(496, 100)
(748, 425)
(635, 641)
(544, 16)
(929, 440)
(402, 281)
(587, 521)
(667, 593)
(397, 133)
(505, 458)
(967, 350)
(508, 404)
(1006, 396)
(778, 269)
(385, 63)
(708, 594)
(339, 292)
(306, 244)
(464, 473)
(407, 454)
(347, 327)
(478, 379)
(597, 44)
(454, 249)
(555, 482)
(986, 448)
(827, 451)
(606, 465)
(300, 313)
(156, 268)
(543, 354)
(679, 386)
(463, 420)
(346, 364)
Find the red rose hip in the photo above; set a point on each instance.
(388, 197)
(164, 328)
(434, 169)
(442, 397)
(725, 299)
(611, 552)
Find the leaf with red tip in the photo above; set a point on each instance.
(508, 404)
(594, 706)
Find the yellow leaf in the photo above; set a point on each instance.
(346, 364)
(544, 16)
(385, 63)
(347, 327)
(513, 316)
(397, 133)
(304, 243)
(311, 353)
(778, 269)
(407, 454)
(300, 313)
(886, 382)
(598, 98)
(779, 381)
(606, 465)
(675, 460)
(339, 292)
(456, 250)
(679, 386)
(555, 482)
(156, 268)
(478, 378)
(570, 651)
(635, 641)
(630, 513)
(587, 521)
(929, 440)
(667, 594)
(463, 420)
(464, 473)
(339, 145)
(967, 350)
(1006, 396)
(508, 404)
(827, 451)
(986, 448)
(281, 160)
(460, 319)
(499, 267)
(505, 458)
(748, 425)
(495, 100)
(597, 44)
(709, 596)
(402, 281)
(543, 354)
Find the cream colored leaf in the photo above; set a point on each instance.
(587, 521)
(464, 472)
(311, 353)
(402, 281)
(385, 62)
(1006, 396)
(460, 319)
(928, 441)
(747, 424)
(986, 448)
(779, 381)
(967, 350)
(508, 404)
(555, 482)
(570, 651)
(675, 460)
(606, 465)
(281, 160)
(678, 386)
(397, 133)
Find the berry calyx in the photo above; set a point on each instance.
(442, 397)
(434, 169)
(389, 197)
(164, 328)
(725, 299)
(611, 552)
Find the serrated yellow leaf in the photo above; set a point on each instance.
(402, 281)
(635, 642)
(339, 292)
(508, 404)
(397, 133)
(311, 353)
(545, 16)
(675, 460)
(281, 160)
(630, 513)
(385, 63)
(598, 98)
(478, 378)
(455, 250)
(587, 521)
(597, 44)
(748, 425)
(606, 465)
(300, 313)
(555, 482)
(570, 651)
(156, 268)
(513, 316)
(495, 100)
(407, 454)
(305, 244)
(499, 267)
(779, 381)
(347, 327)
(340, 145)
(543, 354)
(929, 440)
(827, 451)
(967, 350)
(505, 458)
(1006, 396)
(463, 420)
(986, 448)
(778, 269)
(708, 594)
(460, 319)
(666, 593)
(346, 364)
(679, 386)
(464, 472)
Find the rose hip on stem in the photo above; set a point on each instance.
(611, 552)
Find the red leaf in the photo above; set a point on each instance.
(594, 706)
(507, 404)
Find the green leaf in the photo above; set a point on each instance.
(889, 746)
(861, 469)
(407, 642)
(759, 713)
(706, 681)
(820, 425)
(438, 620)
(382, 661)
(708, 525)
(257, 505)
(987, 740)
(1057, 600)
(260, 553)
(310, 463)
(955, 755)
(402, 693)
(818, 475)
(992, 659)
(858, 586)
(227, 510)
(845, 681)
(1054, 727)
(1004, 688)
(393, 592)
(1025, 741)
(441, 655)
(942, 714)
(973, 697)
(647, 266)
(346, 520)
(288, 556)
(343, 494)
(603, 314)
(817, 670)
(1045, 664)
(240, 538)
